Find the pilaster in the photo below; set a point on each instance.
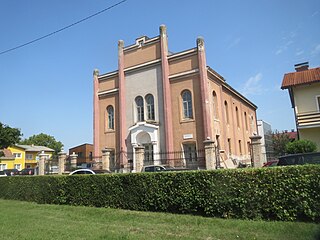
(122, 105)
(167, 106)
(96, 114)
(205, 103)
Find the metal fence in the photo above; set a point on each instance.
(179, 159)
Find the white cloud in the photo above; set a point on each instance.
(284, 47)
(299, 52)
(314, 14)
(253, 85)
(316, 50)
(234, 43)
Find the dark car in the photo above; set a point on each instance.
(2, 174)
(11, 172)
(27, 171)
(299, 159)
(162, 168)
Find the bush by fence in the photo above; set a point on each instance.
(280, 193)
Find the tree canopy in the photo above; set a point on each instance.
(9, 136)
(44, 140)
(279, 141)
(301, 146)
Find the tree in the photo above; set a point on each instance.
(279, 141)
(301, 146)
(9, 136)
(44, 140)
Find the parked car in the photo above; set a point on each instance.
(27, 171)
(11, 172)
(2, 174)
(299, 159)
(82, 171)
(161, 168)
(271, 163)
(101, 171)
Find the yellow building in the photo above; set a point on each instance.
(304, 90)
(23, 156)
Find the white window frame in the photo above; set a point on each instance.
(28, 156)
(318, 102)
(15, 155)
(3, 166)
(17, 166)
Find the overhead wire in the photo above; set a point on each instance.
(62, 29)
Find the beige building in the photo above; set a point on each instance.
(169, 103)
(304, 91)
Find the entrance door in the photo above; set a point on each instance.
(148, 153)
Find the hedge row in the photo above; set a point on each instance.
(280, 193)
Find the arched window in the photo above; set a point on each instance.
(237, 116)
(150, 107)
(187, 104)
(140, 109)
(110, 112)
(215, 105)
(226, 111)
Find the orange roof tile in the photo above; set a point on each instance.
(301, 77)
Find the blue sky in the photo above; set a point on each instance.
(46, 87)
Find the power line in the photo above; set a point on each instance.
(62, 29)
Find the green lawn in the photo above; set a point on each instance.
(24, 220)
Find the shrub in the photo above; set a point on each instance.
(280, 193)
(301, 146)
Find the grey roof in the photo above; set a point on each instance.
(33, 148)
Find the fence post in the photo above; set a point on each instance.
(210, 154)
(62, 156)
(73, 160)
(256, 151)
(139, 156)
(42, 159)
(106, 158)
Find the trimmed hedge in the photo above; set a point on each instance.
(279, 193)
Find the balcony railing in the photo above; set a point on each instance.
(308, 119)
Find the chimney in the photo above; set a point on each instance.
(301, 66)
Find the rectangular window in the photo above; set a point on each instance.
(229, 146)
(240, 149)
(318, 103)
(3, 166)
(17, 155)
(249, 147)
(29, 156)
(17, 166)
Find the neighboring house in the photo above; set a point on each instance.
(23, 156)
(265, 131)
(169, 102)
(6, 160)
(304, 91)
(84, 153)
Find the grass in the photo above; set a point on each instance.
(24, 220)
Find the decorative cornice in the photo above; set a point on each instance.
(145, 41)
(108, 92)
(178, 55)
(143, 65)
(108, 75)
(184, 74)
